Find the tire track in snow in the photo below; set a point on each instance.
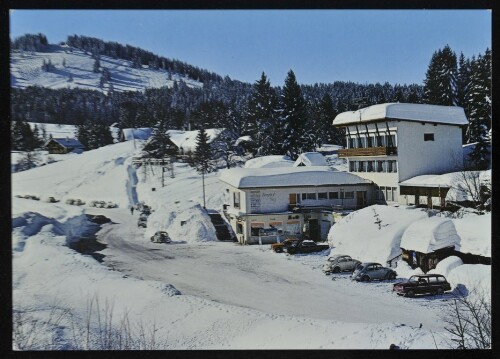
(132, 185)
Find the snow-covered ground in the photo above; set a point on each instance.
(200, 293)
(26, 70)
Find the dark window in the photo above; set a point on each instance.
(361, 167)
(236, 197)
(333, 195)
(322, 195)
(352, 166)
(308, 196)
(428, 137)
(349, 195)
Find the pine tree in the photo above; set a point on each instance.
(261, 116)
(296, 137)
(440, 82)
(479, 106)
(326, 133)
(97, 64)
(159, 144)
(203, 152)
(463, 82)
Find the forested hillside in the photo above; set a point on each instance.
(243, 108)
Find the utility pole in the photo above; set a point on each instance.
(203, 183)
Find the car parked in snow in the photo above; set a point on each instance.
(366, 272)
(142, 222)
(161, 237)
(281, 247)
(306, 246)
(340, 263)
(422, 284)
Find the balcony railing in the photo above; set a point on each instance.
(371, 151)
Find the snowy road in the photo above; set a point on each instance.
(253, 277)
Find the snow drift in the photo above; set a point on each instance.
(430, 234)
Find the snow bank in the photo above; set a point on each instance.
(430, 234)
(475, 234)
(269, 161)
(372, 233)
(188, 225)
(99, 174)
(445, 266)
(475, 277)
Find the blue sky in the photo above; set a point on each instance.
(364, 46)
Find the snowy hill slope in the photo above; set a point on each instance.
(26, 70)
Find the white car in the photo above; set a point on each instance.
(340, 263)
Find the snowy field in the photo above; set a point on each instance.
(196, 292)
(26, 70)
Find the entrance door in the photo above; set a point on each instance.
(293, 199)
(314, 230)
(360, 199)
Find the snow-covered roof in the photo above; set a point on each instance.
(187, 139)
(242, 139)
(451, 115)
(68, 142)
(310, 159)
(269, 161)
(142, 133)
(430, 234)
(445, 181)
(288, 177)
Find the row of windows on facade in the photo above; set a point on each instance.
(373, 166)
(308, 196)
(386, 193)
(355, 141)
(378, 141)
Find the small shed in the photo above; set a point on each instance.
(64, 145)
(129, 134)
(310, 159)
(427, 241)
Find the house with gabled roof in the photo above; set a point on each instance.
(64, 145)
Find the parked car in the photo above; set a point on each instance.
(142, 222)
(280, 247)
(366, 272)
(422, 284)
(161, 237)
(340, 263)
(306, 246)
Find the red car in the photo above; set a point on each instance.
(422, 284)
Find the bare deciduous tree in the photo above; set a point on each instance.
(468, 320)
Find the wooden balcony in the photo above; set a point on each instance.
(372, 151)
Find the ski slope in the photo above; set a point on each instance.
(26, 70)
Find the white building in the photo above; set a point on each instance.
(393, 142)
(267, 204)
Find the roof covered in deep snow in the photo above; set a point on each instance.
(187, 139)
(142, 133)
(430, 234)
(288, 177)
(310, 159)
(451, 115)
(68, 142)
(269, 161)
